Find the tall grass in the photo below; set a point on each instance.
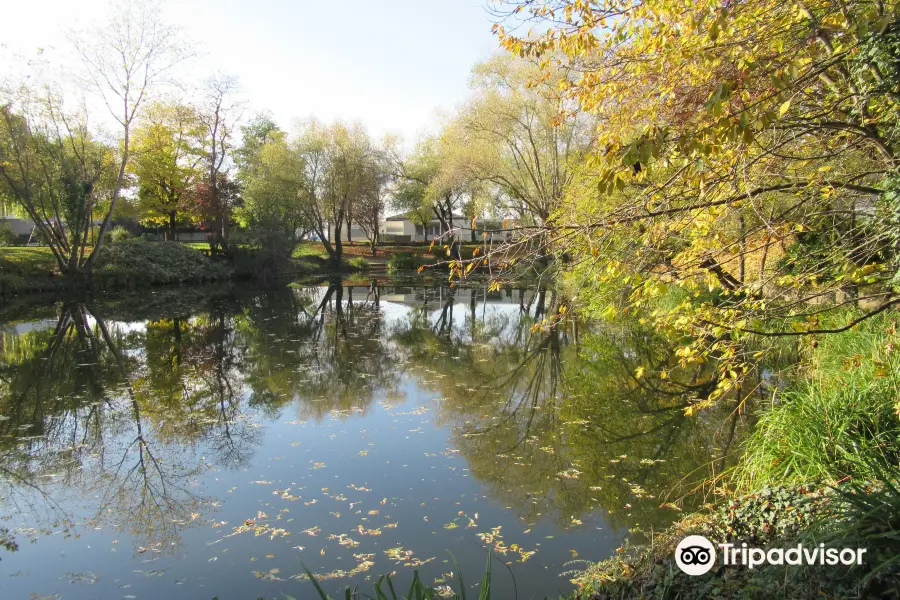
(837, 421)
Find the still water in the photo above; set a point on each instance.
(206, 442)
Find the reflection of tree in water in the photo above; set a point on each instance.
(73, 422)
(191, 376)
(122, 413)
(321, 346)
(558, 428)
(55, 390)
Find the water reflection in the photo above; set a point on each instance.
(132, 416)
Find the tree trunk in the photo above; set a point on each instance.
(337, 248)
(349, 227)
(171, 233)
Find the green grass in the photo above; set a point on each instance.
(837, 418)
(27, 259)
(26, 269)
(822, 433)
(203, 246)
(310, 249)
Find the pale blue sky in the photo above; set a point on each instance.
(390, 64)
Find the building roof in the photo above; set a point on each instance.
(405, 217)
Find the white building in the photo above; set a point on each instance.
(399, 229)
(354, 234)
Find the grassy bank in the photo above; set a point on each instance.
(132, 264)
(27, 269)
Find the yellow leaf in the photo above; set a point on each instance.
(784, 108)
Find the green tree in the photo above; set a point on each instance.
(260, 130)
(335, 159)
(56, 170)
(217, 194)
(49, 161)
(273, 211)
(166, 163)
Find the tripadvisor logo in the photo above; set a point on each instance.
(696, 555)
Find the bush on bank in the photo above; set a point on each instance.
(137, 263)
(777, 517)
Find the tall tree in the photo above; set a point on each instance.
(124, 60)
(55, 170)
(426, 184)
(166, 163)
(218, 114)
(334, 159)
(51, 166)
(522, 136)
(369, 208)
(726, 129)
(273, 210)
(260, 130)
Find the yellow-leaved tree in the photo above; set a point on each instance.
(745, 164)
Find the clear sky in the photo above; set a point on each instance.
(391, 64)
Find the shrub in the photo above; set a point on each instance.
(359, 264)
(774, 517)
(119, 234)
(138, 263)
(7, 237)
(403, 261)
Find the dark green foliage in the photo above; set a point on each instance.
(869, 517)
(856, 515)
(774, 513)
(7, 237)
(405, 261)
(137, 263)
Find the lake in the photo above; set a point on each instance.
(193, 443)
